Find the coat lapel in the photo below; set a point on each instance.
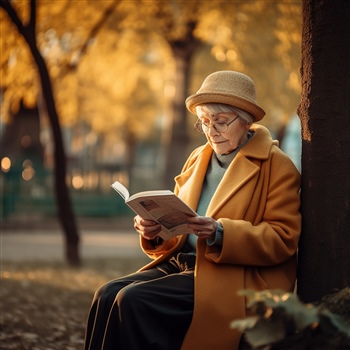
(242, 171)
(190, 182)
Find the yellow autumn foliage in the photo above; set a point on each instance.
(127, 67)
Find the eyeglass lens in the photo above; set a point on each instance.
(220, 127)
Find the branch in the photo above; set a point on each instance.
(6, 5)
(94, 30)
(32, 21)
(27, 31)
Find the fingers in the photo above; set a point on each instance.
(203, 226)
(146, 228)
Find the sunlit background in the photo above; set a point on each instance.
(114, 68)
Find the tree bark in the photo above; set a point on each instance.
(324, 251)
(64, 205)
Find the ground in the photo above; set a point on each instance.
(44, 305)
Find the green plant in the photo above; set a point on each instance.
(282, 321)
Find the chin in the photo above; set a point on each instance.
(221, 148)
(220, 152)
(224, 151)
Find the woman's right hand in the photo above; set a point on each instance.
(148, 229)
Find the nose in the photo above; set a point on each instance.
(212, 131)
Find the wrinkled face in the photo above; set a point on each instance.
(232, 138)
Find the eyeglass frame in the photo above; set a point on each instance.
(212, 125)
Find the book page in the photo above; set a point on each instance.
(153, 193)
(121, 189)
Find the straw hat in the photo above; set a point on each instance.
(229, 87)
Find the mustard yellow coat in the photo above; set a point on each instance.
(257, 203)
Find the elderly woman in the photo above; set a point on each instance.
(246, 193)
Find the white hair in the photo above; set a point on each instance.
(215, 108)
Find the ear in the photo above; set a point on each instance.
(247, 126)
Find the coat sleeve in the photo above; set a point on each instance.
(269, 233)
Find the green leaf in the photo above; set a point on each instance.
(265, 332)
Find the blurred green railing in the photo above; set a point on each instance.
(84, 204)
(19, 197)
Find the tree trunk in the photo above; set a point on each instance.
(64, 205)
(324, 252)
(179, 139)
(177, 151)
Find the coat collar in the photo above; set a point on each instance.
(259, 146)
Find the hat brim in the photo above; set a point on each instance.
(194, 100)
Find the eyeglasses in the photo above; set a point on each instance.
(220, 127)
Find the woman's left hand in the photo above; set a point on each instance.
(203, 226)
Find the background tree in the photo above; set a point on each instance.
(27, 29)
(324, 253)
(64, 206)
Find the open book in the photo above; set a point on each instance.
(161, 206)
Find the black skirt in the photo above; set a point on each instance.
(150, 309)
